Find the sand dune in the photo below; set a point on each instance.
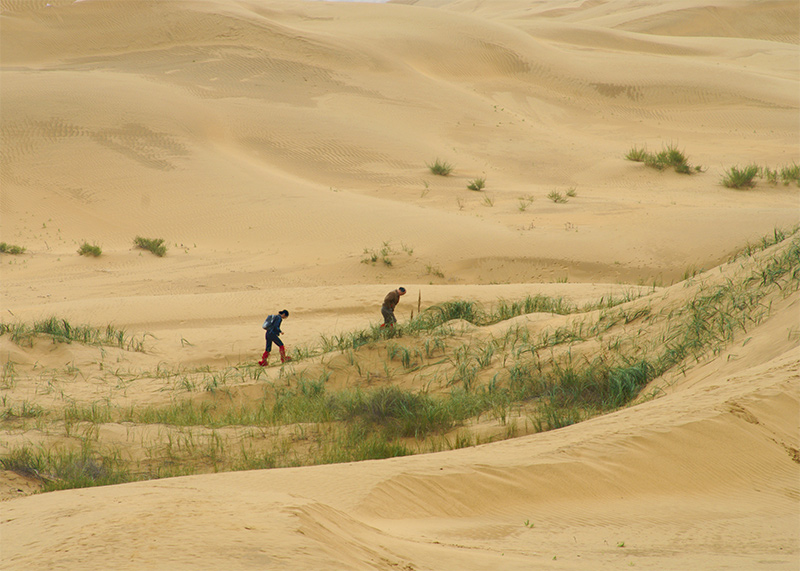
(275, 145)
(657, 485)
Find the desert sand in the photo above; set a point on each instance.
(275, 145)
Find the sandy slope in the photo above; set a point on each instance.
(701, 478)
(271, 143)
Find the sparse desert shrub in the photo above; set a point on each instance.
(62, 470)
(786, 175)
(790, 174)
(87, 249)
(572, 192)
(155, 245)
(477, 184)
(736, 177)
(523, 373)
(442, 168)
(62, 331)
(360, 442)
(11, 249)
(744, 177)
(557, 197)
(524, 202)
(770, 174)
(458, 309)
(372, 256)
(637, 155)
(669, 156)
(396, 412)
(434, 270)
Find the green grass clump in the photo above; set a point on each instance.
(637, 155)
(154, 245)
(441, 168)
(669, 156)
(87, 249)
(62, 331)
(790, 174)
(398, 413)
(744, 177)
(477, 184)
(360, 442)
(64, 470)
(532, 304)
(557, 197)
(524, 202)
(11, 249)
(382, 254)
(437, 315)
(25, 410)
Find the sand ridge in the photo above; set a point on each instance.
(276, 144)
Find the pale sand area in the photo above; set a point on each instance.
(271, 143)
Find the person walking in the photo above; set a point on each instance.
(272, 326)
(389, 303)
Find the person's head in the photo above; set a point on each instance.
(401, 290)
(283, 313)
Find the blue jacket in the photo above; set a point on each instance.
(274, 326)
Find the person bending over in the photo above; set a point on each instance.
(389, 303)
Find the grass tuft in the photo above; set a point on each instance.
(87, 249)
(154, 245)
(791, 173)
(383, 254)
(439, 167)
(477, 184)
(62, 331)
(63, 470)
(11, 249)
(744, 177)
(669, 156)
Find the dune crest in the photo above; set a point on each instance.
(282, 150)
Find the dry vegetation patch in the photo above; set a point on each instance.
(455, 375)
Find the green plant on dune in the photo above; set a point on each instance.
(525, 202)
(595, 361)
(439, 167)
(62, 331)
(669, 156)
(744, 177)
(790, 173)
(382, 254)
(477, 184)
(154, 245)
(65, 469)
(637, 154)
(11, 249)
(87, 249)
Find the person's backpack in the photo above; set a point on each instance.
(269, 322)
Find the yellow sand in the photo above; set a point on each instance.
(270, 143)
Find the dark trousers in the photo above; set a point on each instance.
(388, 315)
(271, 338)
